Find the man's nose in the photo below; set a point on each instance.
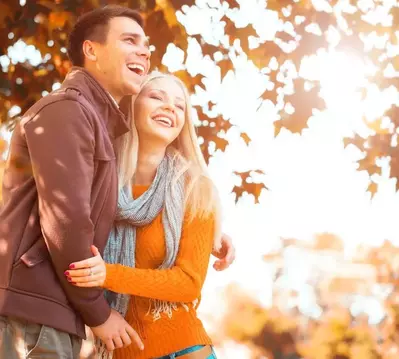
(144, 51)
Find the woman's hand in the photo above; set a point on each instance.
(89, 272)
(226, 254)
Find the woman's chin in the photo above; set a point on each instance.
(157, 139)
(163, 135)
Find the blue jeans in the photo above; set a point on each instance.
(186, 351)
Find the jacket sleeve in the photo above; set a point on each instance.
(181, 283)
(60, 140)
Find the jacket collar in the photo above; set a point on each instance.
(105, 105)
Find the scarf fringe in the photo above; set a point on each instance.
(102, 351)
(157, 307)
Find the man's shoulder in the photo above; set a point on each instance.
(58, 102)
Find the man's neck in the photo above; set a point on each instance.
(104, 84)
(113, 99)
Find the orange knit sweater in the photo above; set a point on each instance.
(180, 284)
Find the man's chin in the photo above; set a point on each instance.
(132, 88)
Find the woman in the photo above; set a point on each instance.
(166, 227)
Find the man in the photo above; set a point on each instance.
(60, 194)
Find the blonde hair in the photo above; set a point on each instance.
(201, 198)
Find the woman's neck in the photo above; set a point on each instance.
(147, 163)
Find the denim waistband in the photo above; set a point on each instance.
(188, 350)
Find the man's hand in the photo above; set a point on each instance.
(226, 254)
(116, 332)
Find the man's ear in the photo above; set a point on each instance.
(89, 50)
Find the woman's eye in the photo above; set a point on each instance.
(156, 97)
(181, 107)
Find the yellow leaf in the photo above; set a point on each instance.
(41, 72)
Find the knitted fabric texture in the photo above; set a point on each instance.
(165, 194)
(180, 284)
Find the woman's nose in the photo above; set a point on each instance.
(169, 107)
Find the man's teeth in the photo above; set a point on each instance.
(165, 120)
(135, 67)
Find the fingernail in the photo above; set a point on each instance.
(142, 347)
(71, 266)
(69, 279)
(66, 273)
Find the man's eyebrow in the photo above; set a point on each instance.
(137, 36)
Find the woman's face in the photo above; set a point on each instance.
(159, 111)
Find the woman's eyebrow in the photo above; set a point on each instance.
(166, 94)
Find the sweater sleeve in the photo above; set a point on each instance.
(181, 283)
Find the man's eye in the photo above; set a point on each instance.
(181, 107)
(130, 40)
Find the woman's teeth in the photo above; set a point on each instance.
(164, 120)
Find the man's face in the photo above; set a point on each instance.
(124, 59)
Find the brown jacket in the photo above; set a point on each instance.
(59, 197)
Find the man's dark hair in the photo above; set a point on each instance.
(94, 26)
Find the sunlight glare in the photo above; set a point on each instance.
(341, 75)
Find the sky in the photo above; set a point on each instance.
(312, 181)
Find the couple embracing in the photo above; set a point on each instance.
(108, 217)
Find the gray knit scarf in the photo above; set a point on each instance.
(165, 194)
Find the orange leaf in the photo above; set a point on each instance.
(357, 141)
(246, 138)
(3, 146)
(372, 188)
(252, 188)
(57, 20)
